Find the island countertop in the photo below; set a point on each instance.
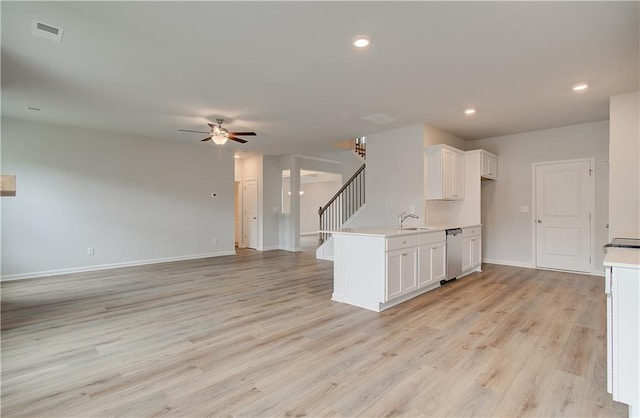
(390, 231)
(622, 257)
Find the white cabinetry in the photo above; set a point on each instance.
(471, 248)
(379, 271)
(445, 173)
(402, 266)
(489, 165)
(622, 287)
(432, 263)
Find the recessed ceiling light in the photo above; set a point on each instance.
(469, 111)
(580, 86)
(361, 41)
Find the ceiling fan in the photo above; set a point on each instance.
(220, 135)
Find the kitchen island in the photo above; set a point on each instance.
(379, 267)
(622, 287)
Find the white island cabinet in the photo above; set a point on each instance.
(376, 268)
(622, 287)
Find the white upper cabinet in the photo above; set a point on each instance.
(445, 173)
(489, 165)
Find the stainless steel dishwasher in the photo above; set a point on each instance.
(454, 252)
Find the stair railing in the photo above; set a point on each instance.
(343, 204)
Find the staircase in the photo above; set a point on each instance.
(343, 205)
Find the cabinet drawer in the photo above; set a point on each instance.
(394, 243)
(471, 232)
(431, 237)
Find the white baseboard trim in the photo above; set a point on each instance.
(530, 266)
(507, 263)
(272, 247)
(83, 269)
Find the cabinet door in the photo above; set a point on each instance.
(448, 174)
(431, 264)
(394, 275)
(424, 265)
(438, 262)
(489, 166)
(467, 257)
(458, 176)
(409, 270)
(476, 250)
(607, 290)
(402, 272)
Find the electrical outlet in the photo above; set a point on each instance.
(524, 209)
(412, 209)
(90, 251)
(214, 241)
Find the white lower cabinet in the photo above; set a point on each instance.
(622, 287)
(431, 264)
(377, 272)
(471, 248)
(402, 272)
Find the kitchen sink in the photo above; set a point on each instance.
(417, 228)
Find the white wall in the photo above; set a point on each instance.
(315, 195)
(272, 202)
(132, 199)
(624, 167)
(350, 163)
(507, 232)
(393, 176)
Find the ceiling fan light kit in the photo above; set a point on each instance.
(220, 135)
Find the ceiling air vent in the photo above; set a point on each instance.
(45, 30)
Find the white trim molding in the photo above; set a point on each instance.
(83, 269)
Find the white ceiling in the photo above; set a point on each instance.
(287, 70)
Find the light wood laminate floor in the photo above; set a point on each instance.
(257, 335)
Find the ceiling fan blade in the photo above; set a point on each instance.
(240, 140)
(243, 133)
(188, 130)
(206, 139)
(212, 125)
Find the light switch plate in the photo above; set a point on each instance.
(524, 209)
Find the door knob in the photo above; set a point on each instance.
(539, 221)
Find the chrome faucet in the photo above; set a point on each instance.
(403, 216)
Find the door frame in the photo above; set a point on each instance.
(534, 204)
(258, 220)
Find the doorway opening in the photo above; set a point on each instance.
(316, 189)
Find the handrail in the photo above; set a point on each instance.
(343, 204)
(344, 186)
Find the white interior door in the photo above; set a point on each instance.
(563, 196)
(250, 213)
(237, 230)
